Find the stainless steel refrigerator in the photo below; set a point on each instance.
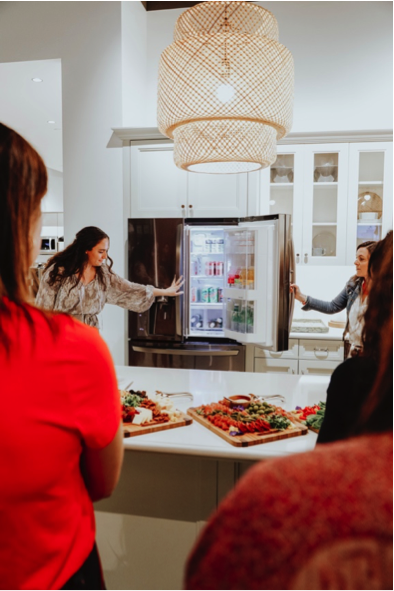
(237, 276)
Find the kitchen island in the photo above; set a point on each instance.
(172, 480)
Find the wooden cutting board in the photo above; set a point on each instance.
(248, 439)
(130, 430)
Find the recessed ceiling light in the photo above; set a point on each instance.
(37, 80)
(51, 122)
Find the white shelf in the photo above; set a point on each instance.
(365, 183)
(207, 332)
(205, 254)
(324, 223)
(326, 184)
(289, 185)
(208, 306)
(207, 277)
(240, 294)
(369, 222)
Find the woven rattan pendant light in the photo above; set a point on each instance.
(225, 88)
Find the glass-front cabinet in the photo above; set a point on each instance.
(370, 207)
(325, 204)
(284, 184)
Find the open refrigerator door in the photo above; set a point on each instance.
(258, 267)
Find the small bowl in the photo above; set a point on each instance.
(239, 400)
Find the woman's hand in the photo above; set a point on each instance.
(171, 291)
(297, 293)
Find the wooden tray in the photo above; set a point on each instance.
(130, 430)
(252, 438)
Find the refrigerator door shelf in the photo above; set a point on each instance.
(240, 294)
(244, 337)
(254, 253)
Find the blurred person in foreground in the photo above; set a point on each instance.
(352, 381)
(318, 520)
(61, 436)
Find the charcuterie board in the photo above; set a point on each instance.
(248, 439)
(130, 430)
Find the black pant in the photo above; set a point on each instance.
(89, 576)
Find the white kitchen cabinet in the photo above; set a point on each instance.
(217, 195)
(321, 368)
(325, 204)
(292, 352)
(304, 356)
(282, 189)
(266, 365)
(160, 189)
(321, 350)
(323, 187)
(370, 204)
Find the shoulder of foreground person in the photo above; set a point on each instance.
(283, 510)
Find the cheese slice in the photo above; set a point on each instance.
(145, 415)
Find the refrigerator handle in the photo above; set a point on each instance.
(189, 352)
(292, 279)
(179, 301)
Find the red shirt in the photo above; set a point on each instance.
(57, 394)
(284, 512)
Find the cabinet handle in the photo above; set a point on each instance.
(190, 206)
(306, 257)
(183, 207)
(297, 257)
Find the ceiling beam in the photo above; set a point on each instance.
(167, 5)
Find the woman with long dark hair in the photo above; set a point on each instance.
(353, 297)
(352, 381)
(60, 427)
(79, 281)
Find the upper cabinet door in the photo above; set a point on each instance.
(370, 207)
(282, 190)
(217, 195)
(325, 204)
(158, 187)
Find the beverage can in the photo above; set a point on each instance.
(220, 294)
(199, 294)
(193, 295)
(213, 295)
(205, 295)
(219, 268)
(211, 271)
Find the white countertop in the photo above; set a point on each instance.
(333, 334)
(208, 386)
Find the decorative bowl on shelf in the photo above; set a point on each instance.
(325, 171)
(282, 174)
(369, 202)
(325, 241)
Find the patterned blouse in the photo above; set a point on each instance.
(84, 302)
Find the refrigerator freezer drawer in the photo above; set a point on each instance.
(225, 359)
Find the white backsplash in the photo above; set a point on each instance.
(323, 283)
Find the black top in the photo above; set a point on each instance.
(349, 387)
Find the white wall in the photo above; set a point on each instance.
(343, 62)
(53, 200)
(86, 36)
(134, 63)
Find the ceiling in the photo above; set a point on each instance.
(27, 106)
(168, 4)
